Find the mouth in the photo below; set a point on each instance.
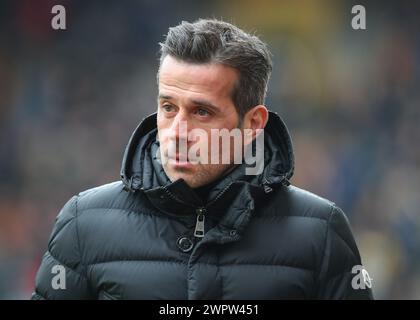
(180, 161)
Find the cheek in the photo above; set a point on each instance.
(162, 121)
(162, 127)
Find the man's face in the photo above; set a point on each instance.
(194, 96)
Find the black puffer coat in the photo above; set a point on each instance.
(139, 238)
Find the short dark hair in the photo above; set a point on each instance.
(215, 41)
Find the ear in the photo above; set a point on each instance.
(254, 120)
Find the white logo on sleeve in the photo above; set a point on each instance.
(361, 280)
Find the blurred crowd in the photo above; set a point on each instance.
(69, 100)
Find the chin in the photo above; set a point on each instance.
(194, 178)
(173, 176)
(189, 179)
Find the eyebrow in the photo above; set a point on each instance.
(199, 102)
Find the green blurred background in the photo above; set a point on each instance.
(69, 101)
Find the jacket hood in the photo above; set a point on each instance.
(231, 202)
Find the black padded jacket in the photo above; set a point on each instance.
(257, 237)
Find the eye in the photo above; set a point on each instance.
(202, 112)
(167, 108)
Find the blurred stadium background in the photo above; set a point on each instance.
(69, 101)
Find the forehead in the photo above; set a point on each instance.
(210, 79)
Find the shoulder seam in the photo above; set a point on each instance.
(267, 217)
(66, 265)
(324, 253)
(78, 238)
(335, 209)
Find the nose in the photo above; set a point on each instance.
(179, 127)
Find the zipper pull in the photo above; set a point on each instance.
(199, 226)
(267, 188)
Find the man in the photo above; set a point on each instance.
(174, 228)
